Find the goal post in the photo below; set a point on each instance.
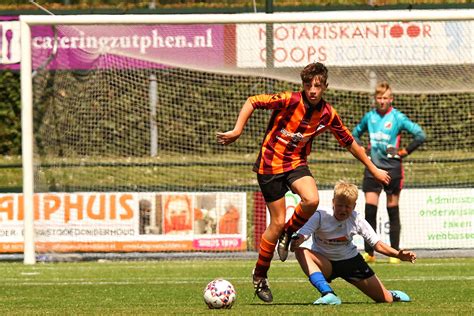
(27, 144)
(90, 114)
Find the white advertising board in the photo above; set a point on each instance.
(361, 44)
(430, 218)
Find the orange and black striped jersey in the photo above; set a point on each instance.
(292, 128)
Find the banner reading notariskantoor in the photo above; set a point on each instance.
(358, 44)
(124, 222)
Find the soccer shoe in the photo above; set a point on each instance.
(262, 288)
(368, 258)
(283, 245)
(393, 260)
(328, 299)
(399, 296)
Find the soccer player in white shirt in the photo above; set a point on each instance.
(332, 253)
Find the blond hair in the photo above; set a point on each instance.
(382, 87)
(346, 191)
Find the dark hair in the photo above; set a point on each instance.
(313, 70)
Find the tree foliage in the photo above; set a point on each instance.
(108, 112)
(10, 112)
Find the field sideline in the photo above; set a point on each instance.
(167, 287)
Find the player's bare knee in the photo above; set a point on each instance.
(310, 204)
(277, 225)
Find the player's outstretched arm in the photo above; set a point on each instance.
(380, 175)
(404, 255)
(226, 138)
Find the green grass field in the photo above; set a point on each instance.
(437, 286)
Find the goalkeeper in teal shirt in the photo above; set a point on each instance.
(384, 125)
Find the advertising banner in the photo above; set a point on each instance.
(81, 47)
(361, 44)
(165, 221)
(437, 218)
(430, 218)
(202, 45)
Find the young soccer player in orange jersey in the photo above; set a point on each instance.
(298, 117)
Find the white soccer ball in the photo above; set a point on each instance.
(219, 294)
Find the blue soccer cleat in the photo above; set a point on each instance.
(399, 296)
(328, 299)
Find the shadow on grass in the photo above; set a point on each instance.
(306, 304)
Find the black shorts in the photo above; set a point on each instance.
(351, 270)
(371, 185)
(275, 186)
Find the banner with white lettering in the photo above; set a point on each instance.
(138, 46)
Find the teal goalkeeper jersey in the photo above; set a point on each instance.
(385, 131)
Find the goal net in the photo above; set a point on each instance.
(119, 147)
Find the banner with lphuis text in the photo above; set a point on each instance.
(125, 222)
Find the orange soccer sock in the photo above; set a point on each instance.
(265, 255)
(298, 219)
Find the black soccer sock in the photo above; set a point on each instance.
(395, 227)
(371, 218)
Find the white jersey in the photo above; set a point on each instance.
(333, 238)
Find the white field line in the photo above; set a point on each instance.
(170, 281)
(147, 265)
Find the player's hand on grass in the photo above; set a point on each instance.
(227, 137)
(406, 255)
(296, 241)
